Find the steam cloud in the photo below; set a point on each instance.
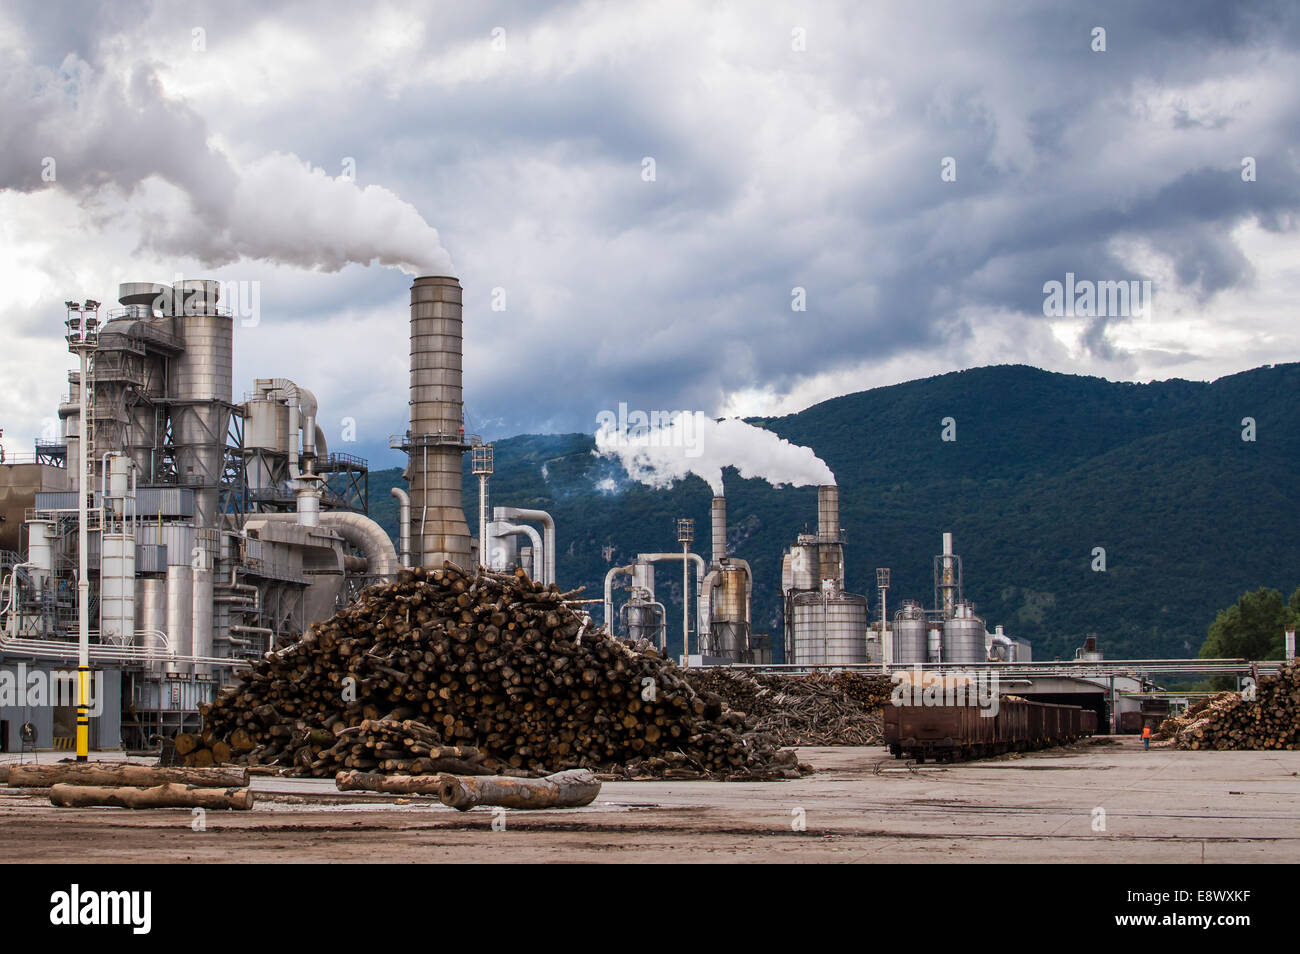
(659, 454)
(103, 132)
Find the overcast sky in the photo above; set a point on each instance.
(796, 145)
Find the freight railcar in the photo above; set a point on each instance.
(952, 733)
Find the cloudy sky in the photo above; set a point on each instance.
(644, 186)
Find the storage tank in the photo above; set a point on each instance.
(830, 629)
(117, 588)
(730, 613)
(934, 643)
(964, 638)
(180, 614)
(644, 619)
(151, 614)
(910, 635)
(201, 384)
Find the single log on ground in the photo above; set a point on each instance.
(570, 789)
(170, 795)
(109, 773)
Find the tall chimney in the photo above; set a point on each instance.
(437, 436)
(828, 514)
(718, 513)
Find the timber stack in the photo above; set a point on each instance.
(1234, 720)
(439, 671)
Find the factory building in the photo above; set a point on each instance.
(217, 531)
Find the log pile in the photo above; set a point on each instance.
(441, 671)
(1271, 720)
(841, 708)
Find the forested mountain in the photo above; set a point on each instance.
(1045, 467)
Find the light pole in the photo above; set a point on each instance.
(481, 464)
(886, 637)
(685, 535)
(83, 336)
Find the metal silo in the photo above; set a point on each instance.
(809, 631)
(910, 631)
(729, 613)
(201, 385)
(830, 629)
(964, 638)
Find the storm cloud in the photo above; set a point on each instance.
(843, 195)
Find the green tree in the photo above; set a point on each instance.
(1252, 628)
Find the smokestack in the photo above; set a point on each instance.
(828, 514)
(718, 513)
(947, 544)
(437, 436)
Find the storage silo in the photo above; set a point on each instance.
(964, 637)
(910, 632)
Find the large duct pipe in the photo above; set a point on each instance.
(360, 531)
(403, 524)
(548, 528)
(718, 515)
(702, 635)
(609, 593)
(499, 529)
(437, 434)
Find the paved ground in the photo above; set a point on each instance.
(1159, 806)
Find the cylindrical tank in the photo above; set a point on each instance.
(151, 612)
(266, 424)
(910, 631)
(729, 612)
(438, 528)
(644, 620)
(40, 550)
(846, 629)
(964, 638)
(201, 374)
(201, 629)
(809, 629)
(830, 629)
(180, 614)
(643, 576)
(934, 643)
(117, 588)
(804, 567)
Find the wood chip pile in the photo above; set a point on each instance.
(840, 708)
(440, 671)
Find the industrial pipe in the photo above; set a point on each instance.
(498, 529)
(360, 531)
(609, 593)
(403, 524)
(548, 528)
(698, 561)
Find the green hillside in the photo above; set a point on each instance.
(1045, 468)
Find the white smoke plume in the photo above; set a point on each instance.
(660, 451)
(91, 132)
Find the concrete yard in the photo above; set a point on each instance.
(1162, 806)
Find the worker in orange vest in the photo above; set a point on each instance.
(1146, 737)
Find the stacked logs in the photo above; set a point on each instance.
(1233, 720)
(841, 708)
(439, 670)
